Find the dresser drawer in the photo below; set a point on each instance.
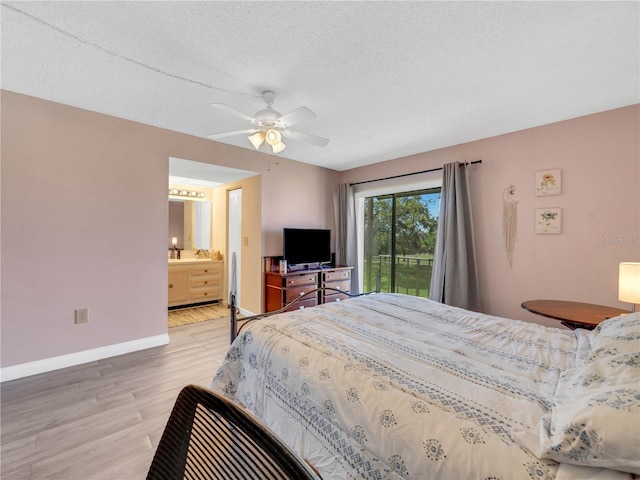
(344, 285)
(335, 297)
(336, 275)
(309, 279)
(306, 303)
(205, 280)
(290, 294)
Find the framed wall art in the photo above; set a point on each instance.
(548, 220)
(548, 182)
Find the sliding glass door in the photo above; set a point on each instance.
(399, 240)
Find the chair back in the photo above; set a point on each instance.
(208, 436)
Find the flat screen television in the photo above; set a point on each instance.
(306, 245)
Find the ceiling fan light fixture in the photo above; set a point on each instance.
(273, 137)
(278, 147)
(256, 139)
(269, 126)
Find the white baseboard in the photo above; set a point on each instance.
(54, 363)
(245, 312)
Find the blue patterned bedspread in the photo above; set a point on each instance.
(393, 386)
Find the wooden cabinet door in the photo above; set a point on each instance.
(178, 285)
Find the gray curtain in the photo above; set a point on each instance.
(346, 242)
(454, 279)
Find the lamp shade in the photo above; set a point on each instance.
(278, 147)
(272, 137)
(629, 282)
(256, 139)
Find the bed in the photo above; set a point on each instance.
(389, 386)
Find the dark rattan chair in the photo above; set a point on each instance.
(210, 437)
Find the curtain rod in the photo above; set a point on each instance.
(475, 162)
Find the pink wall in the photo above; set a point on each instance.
(288, 205)
(599, 156)
(84, 218)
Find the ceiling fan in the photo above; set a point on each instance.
(271, 126)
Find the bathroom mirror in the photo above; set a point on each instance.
(190, 223)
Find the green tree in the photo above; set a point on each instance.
(415, 226)
(380, 224)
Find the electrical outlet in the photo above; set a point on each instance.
(82, 315)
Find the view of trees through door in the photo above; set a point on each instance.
(399, 241)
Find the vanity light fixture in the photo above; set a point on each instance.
(174, 192)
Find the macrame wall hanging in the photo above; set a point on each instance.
(509, 221)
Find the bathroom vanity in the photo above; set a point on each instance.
(193, 281)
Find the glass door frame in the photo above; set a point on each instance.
(367, 240)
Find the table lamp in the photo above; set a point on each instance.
(629, 283)
(174, 243)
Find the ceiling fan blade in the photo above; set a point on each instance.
(235, 132)
(298, 115)
(233, 111)
(306, 137)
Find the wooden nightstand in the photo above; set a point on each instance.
(573, 314)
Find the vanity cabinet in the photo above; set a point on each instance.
(195, 282)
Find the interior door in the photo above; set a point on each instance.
(234, 241)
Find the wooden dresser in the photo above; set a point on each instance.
(283, 288)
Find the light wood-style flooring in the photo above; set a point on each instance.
(103, 420)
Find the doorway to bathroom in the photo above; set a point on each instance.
(212, 232)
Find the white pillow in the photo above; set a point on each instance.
(617, 335)
(595, 419)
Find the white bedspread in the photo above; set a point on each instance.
(393, 386)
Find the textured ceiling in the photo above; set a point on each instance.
(386, 79)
